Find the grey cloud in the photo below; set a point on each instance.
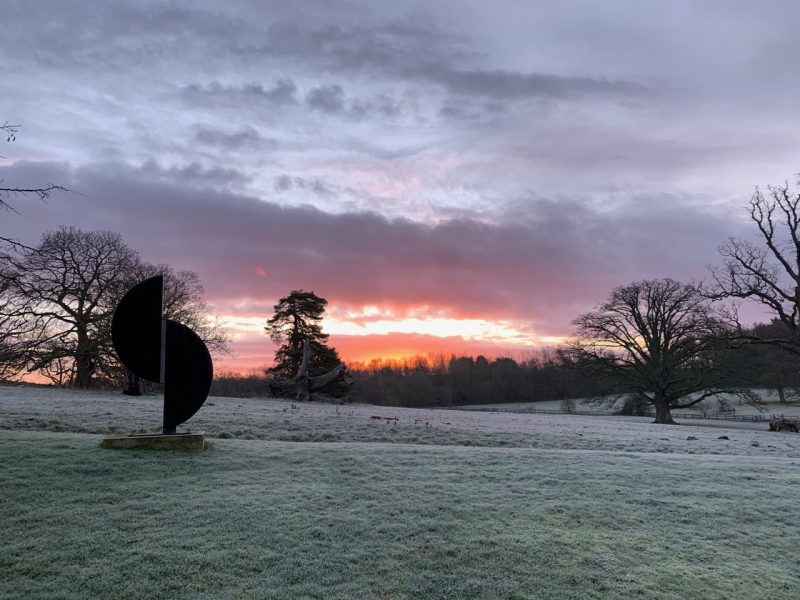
(328, 99)
(283, 183)
(388, 47)
(544, 263)
(331, 37)
(320, 188)
(429, 55)
(194, 174)
(536, 97)
(387, 106)
(281, 93)
(383, 152)
(333, 100)
(511, 85)
(247, 137)
(110, 36)
(459, 111)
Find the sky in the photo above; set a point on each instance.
(452, 176)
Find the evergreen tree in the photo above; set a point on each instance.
(298, 316)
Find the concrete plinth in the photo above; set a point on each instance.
(193, 441)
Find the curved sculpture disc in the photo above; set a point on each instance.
(162, 350)
(187, 376)
(136, 328)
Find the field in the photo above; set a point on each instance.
(315, 501)
(772, 405)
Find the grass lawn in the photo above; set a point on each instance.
(277, 519)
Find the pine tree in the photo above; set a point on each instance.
(298, 316)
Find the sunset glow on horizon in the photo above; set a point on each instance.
(394, 339)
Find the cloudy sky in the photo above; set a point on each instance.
(452, 175)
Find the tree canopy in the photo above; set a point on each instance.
(66, 290)
(659, 340)
(298, 316)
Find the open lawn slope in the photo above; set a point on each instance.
(263, 518)
(60, 410)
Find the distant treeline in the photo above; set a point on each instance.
(441, 380)
(543, 374)
(236, 385)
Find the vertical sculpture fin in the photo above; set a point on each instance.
(162, 350)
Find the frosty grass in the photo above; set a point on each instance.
(435, 504)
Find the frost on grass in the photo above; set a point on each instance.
(255, 519)
(572, 507)
(50, 409)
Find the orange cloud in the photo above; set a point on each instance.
(256, 351)
(362, 348)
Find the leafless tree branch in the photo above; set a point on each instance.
(768, 275)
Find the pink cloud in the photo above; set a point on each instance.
(540, 267)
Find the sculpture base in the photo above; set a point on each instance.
(193, 441)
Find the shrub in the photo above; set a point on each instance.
(636, 406)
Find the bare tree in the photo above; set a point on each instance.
(6, 193)
(66, 289)
(19, 334)
(659, 340)
(766, 273)
(567, 405)
(57, 300)
(776, 368)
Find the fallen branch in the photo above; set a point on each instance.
(305, 387)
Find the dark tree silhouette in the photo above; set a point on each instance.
(306, 387)
(776, 368)
(57, 299)
(19, 334)
(659, 340)
(297, 317)
(766, 273)
(304, 365)
(66, 288)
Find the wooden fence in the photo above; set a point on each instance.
(733, 417)
(541, 411)
(593, 413)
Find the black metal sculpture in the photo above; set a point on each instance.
(162, 350)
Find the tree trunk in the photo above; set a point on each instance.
(84, 365)
(84, 369)
(304, 386)
(781, 394)
(663, 415)
(132, 385)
